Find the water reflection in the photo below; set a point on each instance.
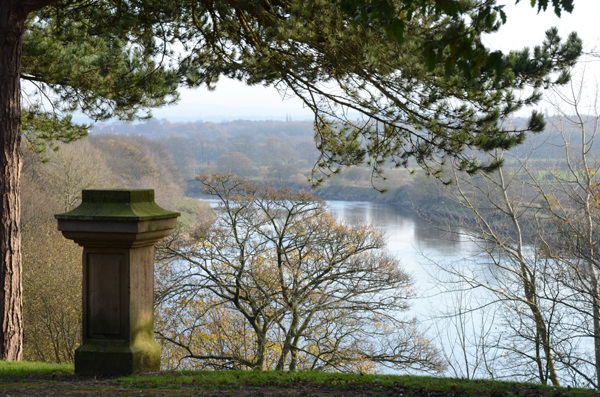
(407, 233)
(421, 246)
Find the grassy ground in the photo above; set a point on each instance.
(36, 379)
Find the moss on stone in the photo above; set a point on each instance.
(118, 205)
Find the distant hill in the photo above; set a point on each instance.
(154, 128)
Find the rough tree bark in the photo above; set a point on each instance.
(12, 21)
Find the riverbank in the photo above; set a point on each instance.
(423, 196)
(406, 199)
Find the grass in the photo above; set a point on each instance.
(28, 368)
(31, 374)
(230, 380)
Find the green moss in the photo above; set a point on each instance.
(118, 205)
(117, 358)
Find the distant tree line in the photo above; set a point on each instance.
(284, 154)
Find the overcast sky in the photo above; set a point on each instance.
(524, 28)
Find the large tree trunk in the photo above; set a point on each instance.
(12, 24)
(11, 300)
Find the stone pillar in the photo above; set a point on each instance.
(117, 230)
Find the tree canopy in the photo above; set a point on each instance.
(388, 81)
(277, 283)
(100, 58)
(433, 92)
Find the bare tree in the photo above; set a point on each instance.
(536, 223)
(497, 216)
(72, 168)
(312, 292)
(571, 197)
(467, 337)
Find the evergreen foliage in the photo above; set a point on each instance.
(103, 59)
(435, 93)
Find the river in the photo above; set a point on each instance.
(419, 244)
(424, 249)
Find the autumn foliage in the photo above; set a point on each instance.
(277, 283)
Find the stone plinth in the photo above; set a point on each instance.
(117, 230)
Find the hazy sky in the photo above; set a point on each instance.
(524, 28)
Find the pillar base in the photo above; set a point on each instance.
(116, 358)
